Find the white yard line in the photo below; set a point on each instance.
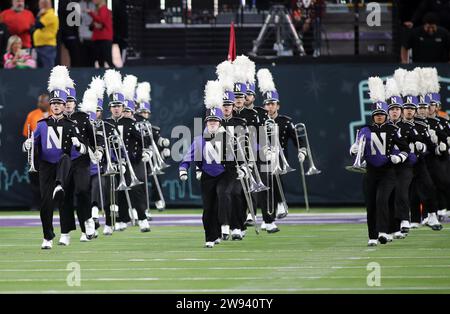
(8, 270)
(247, 290)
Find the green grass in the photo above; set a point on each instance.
(294, 210)
(299, 259)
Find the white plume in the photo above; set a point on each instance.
(244, 69)
(399, 76)
(98, 86)
(391, 88)
(411, 84)
(89, 103)
(58, 78)
(432, 80)
(225, 71)
(265, 81)
(143, 92)
(376, 89)
(113, 81)
(213, 94)
(129, 86)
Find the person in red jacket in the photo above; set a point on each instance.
(102, 33)
(19, 21)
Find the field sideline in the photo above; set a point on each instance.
(313, 257)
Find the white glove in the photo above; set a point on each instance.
(442, 147)
(165, 142)
(183, 175)
(123, 168)
(198, 174)
(354, 149)
(95, 156)
(301, 156)
(396, 159)
(27, 144)
(433, 136)
(448, 141)
(165, 153)
(98, 155)
(146, 156)
(420, 147)
(242, 173)
(75, 142)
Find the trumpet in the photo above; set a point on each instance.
(300, 130)
(359, 165)
(30, 152)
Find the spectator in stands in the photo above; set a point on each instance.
(15, 57)
(439, 7)
(69, 32)
(42, 111)
(4, 35)
(87, 57)
(120, 26)
(44, 36)
(429, 43)
(19, 21)
(102, 34)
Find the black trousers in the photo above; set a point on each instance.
(35, 190)
(229, 198)
(210, 198)
(77, 189)
(137, 195)
(269, 199)
(423, 192)
(95, 190)
(439, 171)
(400, 206)
(111, 183)
(50, 175)
(379, 184)
(103, 52)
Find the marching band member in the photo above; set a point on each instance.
(118, 124)
(400, 224)
(213, 177)
(232, 213)
(262, 117)
(54, 138)
(283, 129)
(379, 180)
(423, 191)
(98, 182)
(437, 163)
(143, 113)
(79, 175)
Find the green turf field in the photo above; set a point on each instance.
(329, 258)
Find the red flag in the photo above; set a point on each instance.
(232, 44)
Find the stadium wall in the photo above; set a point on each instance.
(331, 99)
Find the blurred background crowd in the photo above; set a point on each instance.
(110, 33)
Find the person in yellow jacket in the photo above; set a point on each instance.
(44, 36)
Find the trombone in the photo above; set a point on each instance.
(279, 166)
(249, 184)
(300, 131)
(145, 130)
(116, 144)
(30, 152)
(359, 165)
